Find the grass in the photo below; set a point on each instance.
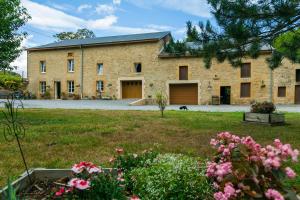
(59, 138)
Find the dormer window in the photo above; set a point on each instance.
(138, 67)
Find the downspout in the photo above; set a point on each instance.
(81, 73)
(271, 85)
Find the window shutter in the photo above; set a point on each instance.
(245, 89)
(281, 91)
(246, 70)
(183, 73)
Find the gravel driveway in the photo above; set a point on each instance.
(124, 105)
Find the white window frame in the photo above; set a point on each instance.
(100, 68)
(71, 65)
(43, 87)
(71, 87)
(100, 86)
(43, 66)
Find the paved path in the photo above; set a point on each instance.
(124, 105)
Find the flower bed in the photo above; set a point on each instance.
(241, 169)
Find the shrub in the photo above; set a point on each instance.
(264, 107)
(171, 177)
(162, 102)
(10, 81)
(243, 169)
(125, 163)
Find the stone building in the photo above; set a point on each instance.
(135, 66)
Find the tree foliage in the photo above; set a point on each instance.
(11, 81)
(79, 34)
(245, 26)
(12, 17)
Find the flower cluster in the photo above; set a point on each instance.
(88, 166)
(240, 159)
(83, 172)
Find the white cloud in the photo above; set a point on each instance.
(83, 7)
(160, 27)
(116, 2)
(194, 7)
(105, 9)
(47, 18)
(104, 23)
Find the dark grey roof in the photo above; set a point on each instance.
(197, 45)
(104, 40)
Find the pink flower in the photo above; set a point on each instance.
(290, 173)
(94, 169)
(220, 196)
(214, 142)
(60, 192)
(119, 150)
(79, 183)
(226, 152)
(83, 185)
(229, 190)
(73, 182)
(273, 194)
(134, 197)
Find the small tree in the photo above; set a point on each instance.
(162, 101)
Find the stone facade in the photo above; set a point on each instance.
(157, 73)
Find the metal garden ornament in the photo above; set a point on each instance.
(13, 128)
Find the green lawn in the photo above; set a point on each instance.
(59, 138)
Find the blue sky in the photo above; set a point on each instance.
(108, 17)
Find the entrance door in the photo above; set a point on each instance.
(297, 94)
(57, 90)
(225, 92)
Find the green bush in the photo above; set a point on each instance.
(264, 107)
(106, 187)
(171, 177)
(10, 81)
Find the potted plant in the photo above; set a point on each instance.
(264, 113)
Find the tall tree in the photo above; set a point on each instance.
(12, 17)
(191, 32)
(244, 26)
(79, 34)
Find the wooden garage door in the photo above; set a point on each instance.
(184, 94)
(131, 89)
(297, 94)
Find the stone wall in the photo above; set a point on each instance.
(157, 73)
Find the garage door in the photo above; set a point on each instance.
(131, 89)
(184, 94)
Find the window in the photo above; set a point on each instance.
(43, 66)
(71, 65)
(138, 67)
(100, 86)
(245, 90)
(281, 91)
(183, 73)
(100, 68)
(297, 75)
(71, 87)
(246, 70)
(43, 87)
